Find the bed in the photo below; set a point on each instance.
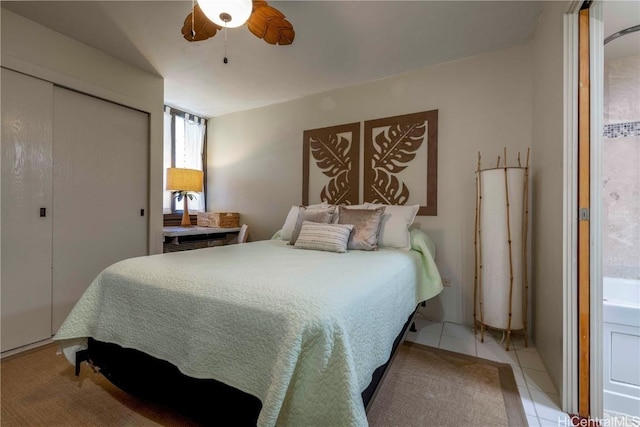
(301, 330)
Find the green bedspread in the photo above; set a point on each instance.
(301, 330)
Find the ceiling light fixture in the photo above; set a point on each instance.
(227, 13)
(265, 22)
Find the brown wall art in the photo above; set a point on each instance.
(400, 162)
(400, 166)
(333, 175)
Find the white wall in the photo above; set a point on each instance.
(620, 174)
(32, 49)
(547, 174)
(485, 104)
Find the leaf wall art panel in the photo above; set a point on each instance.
(401, 161)
(330, 165)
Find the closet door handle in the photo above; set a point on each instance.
(43, 212)
(141, 212)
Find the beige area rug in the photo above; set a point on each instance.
(426, 386)
(39, 388)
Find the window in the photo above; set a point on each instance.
(185, 144)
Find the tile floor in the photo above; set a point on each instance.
(539, 396)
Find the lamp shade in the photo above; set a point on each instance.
(227, 13)
(500, 241)
(179, 179)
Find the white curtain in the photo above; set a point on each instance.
(188, 151)
(166, 198)
(193, 154)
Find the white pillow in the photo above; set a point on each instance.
(324, 237)
(292, 217)
(394, 229)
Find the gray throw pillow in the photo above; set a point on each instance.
(366, 226)
(320, 215)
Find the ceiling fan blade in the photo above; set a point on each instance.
(204, 28)
(270, 24)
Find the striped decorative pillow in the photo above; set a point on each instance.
(324, 237)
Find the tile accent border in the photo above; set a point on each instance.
(617, 130)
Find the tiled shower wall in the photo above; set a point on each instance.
(621, 168)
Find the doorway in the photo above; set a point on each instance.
(619, 187)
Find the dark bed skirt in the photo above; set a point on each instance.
(207, 401)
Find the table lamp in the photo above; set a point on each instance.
(182, 182)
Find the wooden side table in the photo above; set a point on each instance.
(187, 238)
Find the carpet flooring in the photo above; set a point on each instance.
(425, 386)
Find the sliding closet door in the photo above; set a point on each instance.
(26, 189)
(100, 181)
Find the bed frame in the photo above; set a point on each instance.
(205, 400)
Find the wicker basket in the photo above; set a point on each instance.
(219, 219)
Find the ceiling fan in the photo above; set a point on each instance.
(264, 21)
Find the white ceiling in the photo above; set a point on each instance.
(338, 43)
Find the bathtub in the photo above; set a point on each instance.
(621, 340)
